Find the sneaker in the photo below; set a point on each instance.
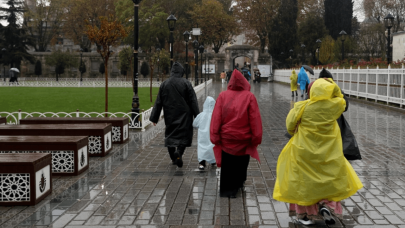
(201, 167)
(302, 95)
(327, 216)
(306, 221)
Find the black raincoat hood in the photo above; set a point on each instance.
(177, 70)
(325, 74)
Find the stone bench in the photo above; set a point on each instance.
(69, 153)
(120, 125)
(3, 120)
(99, 134)
(25, 179)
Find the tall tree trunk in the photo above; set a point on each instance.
(106, 85)
(151, 74)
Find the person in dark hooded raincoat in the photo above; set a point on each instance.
(179, 102)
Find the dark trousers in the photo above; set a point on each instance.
(233, 173)
(171, 150)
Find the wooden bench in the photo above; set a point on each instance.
(99, 134)
(3, 120)
(120, 125)
(25, 179)
(69, 153)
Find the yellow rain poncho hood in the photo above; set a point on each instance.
(293, 78)
(312, 167)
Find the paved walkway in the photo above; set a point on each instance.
(136, 185)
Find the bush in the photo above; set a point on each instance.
(145, 69)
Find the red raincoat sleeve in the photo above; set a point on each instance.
(216, 122)
(255, 121)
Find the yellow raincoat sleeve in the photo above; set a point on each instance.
(292, 118)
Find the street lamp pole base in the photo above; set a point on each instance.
(135, 109)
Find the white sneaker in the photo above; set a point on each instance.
(305, 221)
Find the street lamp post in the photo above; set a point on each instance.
(171, 20)
(3, 51)
(201, 48)
(195, 43)
(389, 22)
(282, 56)
(318, 42)
(186, 35)
(291, 53)
(343, 38)
(135, 99)
(303, 52)
(81, 65)
(158, 51)
(206, 61)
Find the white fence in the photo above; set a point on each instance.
(94, 83)
(385, 85)
(142, 123)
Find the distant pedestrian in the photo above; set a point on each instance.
(236, 131)
(293, 83)
(312, 173)
(202, 122)
(179, 102)
(303, 80)
(228, 75)
(223, 75)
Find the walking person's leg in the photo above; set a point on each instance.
(171, 153)
(179, 156)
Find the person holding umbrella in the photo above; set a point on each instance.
(13, 75)
(303, 80)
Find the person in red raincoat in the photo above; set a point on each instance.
(236, 131)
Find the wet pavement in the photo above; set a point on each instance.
(137, 186)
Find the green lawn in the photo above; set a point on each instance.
(40, 99)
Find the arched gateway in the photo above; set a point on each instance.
(258, 60)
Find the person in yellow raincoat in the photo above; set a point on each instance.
(294, 78)
(312, 173)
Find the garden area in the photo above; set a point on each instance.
(34, 99)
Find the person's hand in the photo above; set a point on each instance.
(154, 124)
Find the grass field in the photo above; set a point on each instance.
(41, 99)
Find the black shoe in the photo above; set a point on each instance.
(178, 157)
(327, 216)
(302, 95)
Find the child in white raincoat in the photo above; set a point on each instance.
(202, 122)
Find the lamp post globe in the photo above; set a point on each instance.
(186, 35)
(343, 38)
(135, 99)
(389, 23)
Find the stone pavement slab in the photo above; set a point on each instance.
(137, 186)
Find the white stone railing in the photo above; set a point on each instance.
(142, 123)
(43, 82)
(386, 85)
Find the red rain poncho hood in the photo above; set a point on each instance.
(236, 124)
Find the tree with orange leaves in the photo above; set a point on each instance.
(107, 34)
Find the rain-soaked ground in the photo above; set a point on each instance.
(137, 186)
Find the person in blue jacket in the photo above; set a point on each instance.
(303, 80)
(202, 122)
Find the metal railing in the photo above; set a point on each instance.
(85, 83)
(142, 123)
(386, 85)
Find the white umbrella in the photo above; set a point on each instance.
(15, 69)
